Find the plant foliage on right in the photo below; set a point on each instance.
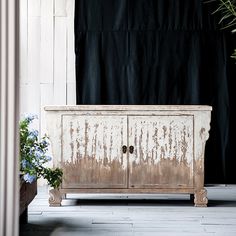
(227, 9)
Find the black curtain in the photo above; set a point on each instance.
(160, 52)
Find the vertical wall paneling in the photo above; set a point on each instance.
(46, 91)
(70, 94)
(60, 8)
(34, 7)
(46, 44)
(23, 41)
(60, 47)
(71, 98)
(24, 107)
(33, 91)
(47, 55)
(70, 42)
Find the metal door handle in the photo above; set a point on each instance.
(131, 149)
(124, 149)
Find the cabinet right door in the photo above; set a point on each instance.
(162, 151)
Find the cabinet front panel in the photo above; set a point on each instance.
(163, 151)
(92, 154)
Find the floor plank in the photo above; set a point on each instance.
(133, 215)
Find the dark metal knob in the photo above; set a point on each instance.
(131, 149)
(124, 149)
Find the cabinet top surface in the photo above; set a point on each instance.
(128, 108)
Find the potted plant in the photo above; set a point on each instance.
(33, 157)
(54, 179)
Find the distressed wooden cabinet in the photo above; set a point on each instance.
(130, 149)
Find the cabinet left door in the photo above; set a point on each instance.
(92, 155)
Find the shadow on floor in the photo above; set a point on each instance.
(130, 202)
(146, 202)
(221, 203)
(42, 229)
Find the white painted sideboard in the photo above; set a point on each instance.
(130, 148)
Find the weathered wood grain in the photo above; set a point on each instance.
(168, 148)
(163, 151)
(91, 153)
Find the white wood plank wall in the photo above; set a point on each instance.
(47, 60)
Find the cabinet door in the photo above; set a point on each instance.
(163, 151)
(92, 154)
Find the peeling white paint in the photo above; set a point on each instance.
(98, 137)
(156, 137)
(169, 144)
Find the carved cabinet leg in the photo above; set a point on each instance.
(200, 198)
(55, 198)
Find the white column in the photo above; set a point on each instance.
(9, 167)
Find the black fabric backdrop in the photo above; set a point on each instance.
(160, 52)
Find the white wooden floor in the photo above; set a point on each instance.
(122, 215)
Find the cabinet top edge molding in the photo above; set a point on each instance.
(129, 108)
